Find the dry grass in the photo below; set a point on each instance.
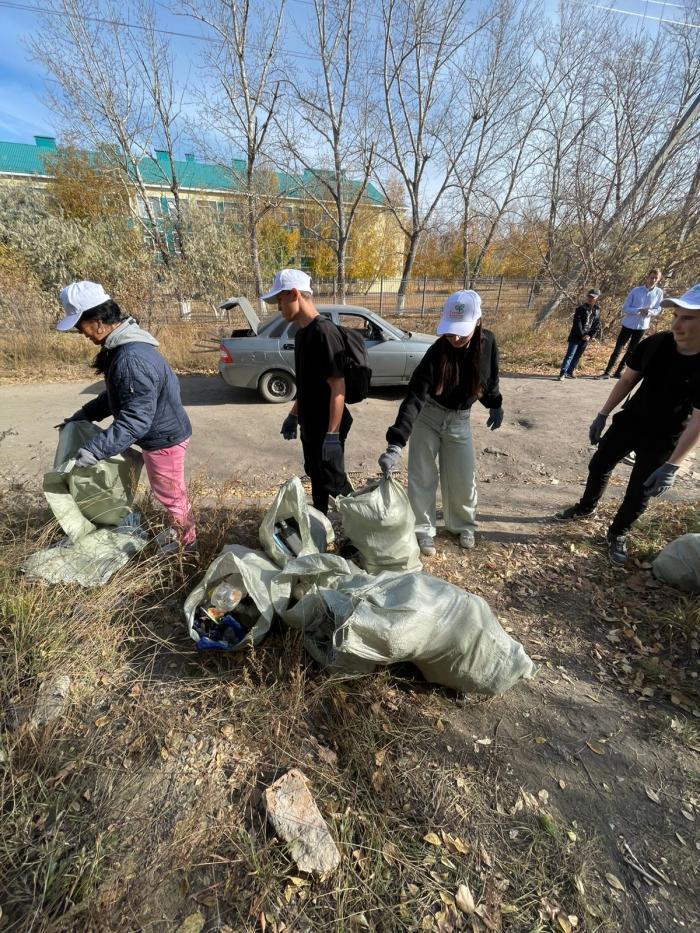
(139, 805)
(42, 355)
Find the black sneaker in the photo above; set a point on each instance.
(571, 375)
(617, 549)
(573, 512)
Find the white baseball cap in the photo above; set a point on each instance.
(77, 298)
(690, 301)
(286, 280)
(461, 314)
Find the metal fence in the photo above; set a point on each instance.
(424, 297)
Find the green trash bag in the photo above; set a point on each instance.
(91, 497)
(353, 623)
(309, 530)
(679, 564)
(379, 521)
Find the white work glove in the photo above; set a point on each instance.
(84, 459)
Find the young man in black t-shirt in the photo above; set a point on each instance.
(319, 410)
(660, 422)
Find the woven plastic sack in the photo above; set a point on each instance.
(353, 623)
(91, 497)
(89, 562)
(679, 564)
(315, 531)
(379, 521)
(250, 571)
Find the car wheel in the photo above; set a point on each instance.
(277, 386)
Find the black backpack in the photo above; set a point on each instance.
(357, 372)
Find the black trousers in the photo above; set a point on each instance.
(328, 478)
(623, 436)
(626, 336)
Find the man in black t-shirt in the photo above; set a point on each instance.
(660, 422)
(319, 410)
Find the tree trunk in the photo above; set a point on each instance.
(253, 251)
(407, 270)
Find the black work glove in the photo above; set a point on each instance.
(495, 419)
(596, 429)
(661, 479)
(331, 451)
(389, 459)
(78, 416)
(289, 427)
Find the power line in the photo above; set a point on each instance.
(656, 19)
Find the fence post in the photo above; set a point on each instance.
(498, 297)
(422, 305)
(381, 293)
(532, 290)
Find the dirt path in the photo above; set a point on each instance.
(534, 464)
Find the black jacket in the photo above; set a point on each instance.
(586, 322)
(423, 381)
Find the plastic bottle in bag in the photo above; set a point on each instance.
(226, 596)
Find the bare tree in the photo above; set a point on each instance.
(428, 128)
(240, 103)
(115, 92)
(327, 129)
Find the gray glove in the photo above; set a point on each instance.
(597, 428)
(389, 459)
(331, 450)
(661, 479)
(495, 418)
(78, 416)
(289, 427)
(84, 459)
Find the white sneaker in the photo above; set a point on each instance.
(426, 545)
(466, 539)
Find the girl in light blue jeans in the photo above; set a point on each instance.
(460, 368)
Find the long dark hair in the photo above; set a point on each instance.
(108, 312)
(452, 360)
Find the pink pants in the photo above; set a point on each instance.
(166, 474)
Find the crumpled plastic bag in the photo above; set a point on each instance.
(253, 573)
(679, 563)
(353, 623)
(379, 521)
(315, 531)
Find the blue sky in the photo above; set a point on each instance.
(23, 114)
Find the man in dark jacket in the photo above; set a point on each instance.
(585, 327)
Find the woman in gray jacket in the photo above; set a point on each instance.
(142, 394)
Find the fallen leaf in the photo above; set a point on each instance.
(688, 815)
(614, 881)
(433, 839)
(681, 839)
(652, 795)
(486, 741)
(464, 899)
(548, 824)
(595, 749)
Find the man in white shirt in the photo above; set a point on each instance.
(641, 305)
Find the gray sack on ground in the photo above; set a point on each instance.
(93, 506)
(315, 531)
(353, 623)
(253, 573)
(96, 496)
(379, 521)
(679, 564)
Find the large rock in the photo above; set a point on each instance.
(297, 820)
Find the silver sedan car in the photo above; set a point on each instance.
(262, 356)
